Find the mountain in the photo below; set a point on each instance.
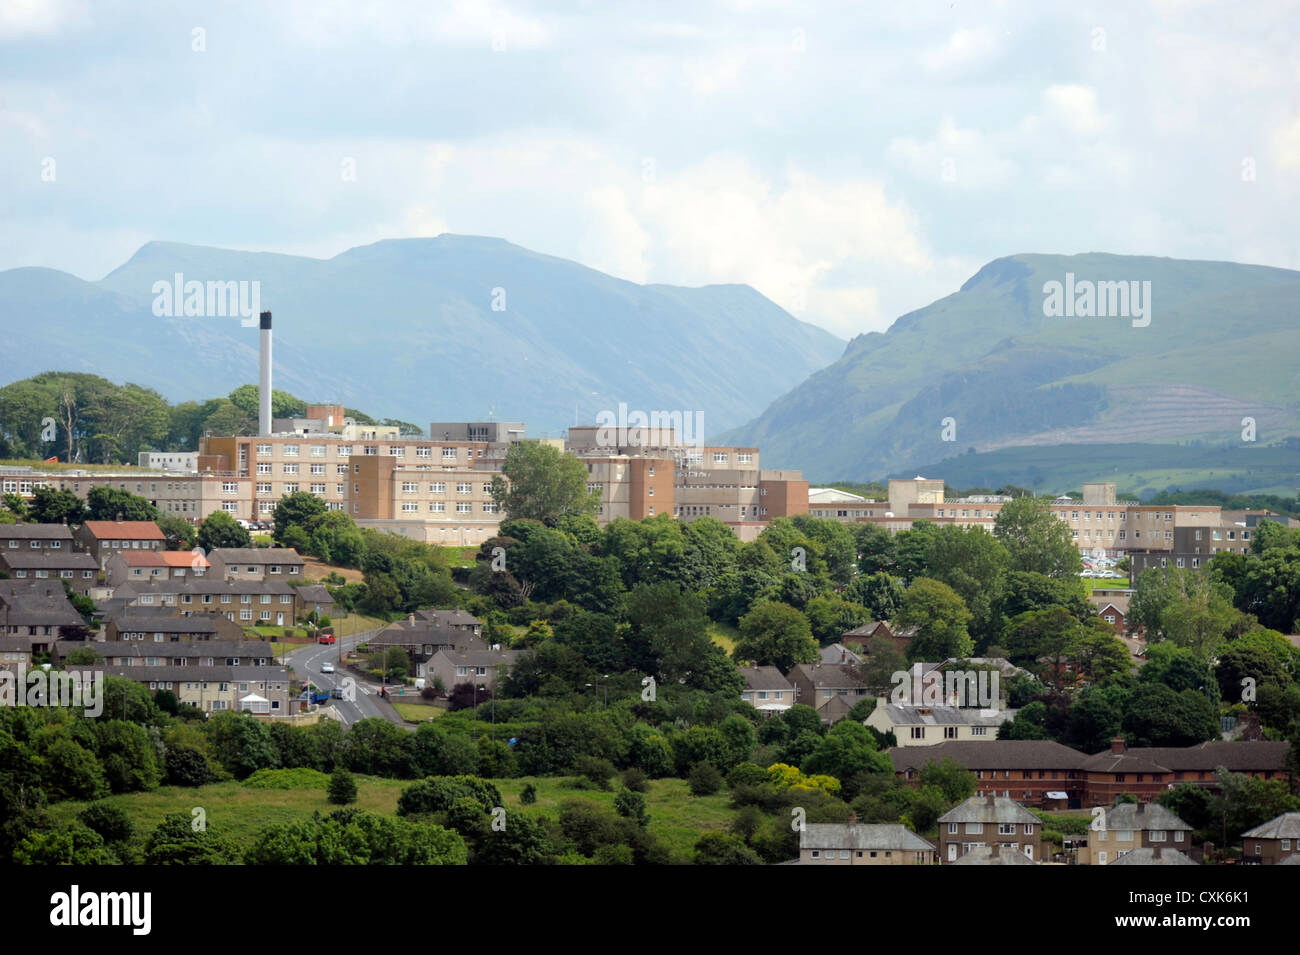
(406, 328)
(1218, 346)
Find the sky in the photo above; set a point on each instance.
(851, 161)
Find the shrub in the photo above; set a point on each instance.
(597, 770)
(342, 787)
(528, 795)
(108, 820)
(632, 806)
(705, 780)
(635, 779)
(437, 793)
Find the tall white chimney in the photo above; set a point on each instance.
(264, 378)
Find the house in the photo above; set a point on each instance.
(1128, 826)
(15, 653)
(863, 636)
(256, 563)
(1274, 842)
(994, 855)
(165, 625)
(421, 637)
(267, 602)
(1036, 772)
(982, 821)
(261, 690)
(928, 725)
(830, 689)
(35, 538)
(1113, 610)
(39, 611)
(129, 565)
(207, 653)
(482, 668)
(839, 653)
(766, 689)
(316, 599)
(452, 620)
(102, 539)
(1145, 772)
(854, 844)
(1153, 855)
(41, 551)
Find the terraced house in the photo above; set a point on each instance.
(983, 821)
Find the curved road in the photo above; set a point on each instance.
(365, 701)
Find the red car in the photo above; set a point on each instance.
(325, 637)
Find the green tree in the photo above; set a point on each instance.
(299, 509)
(774, 634)
(49, 506)
(940, 617)
(1036, 539)
(105, 503)
(219, 529)
(342, 787)
(543, 483)
(179, 532)
(183, 839)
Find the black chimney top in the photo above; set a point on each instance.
(266, 319)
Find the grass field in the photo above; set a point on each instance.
(724, 635)
(459, 556)
(417, 712)
(238, 812)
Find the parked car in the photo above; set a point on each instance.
(327, 667)
(337, 693)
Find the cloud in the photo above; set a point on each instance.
(964, 158)
(40, 17)
(1075, 107)
(964, 49)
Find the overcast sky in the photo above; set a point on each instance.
(852, 161)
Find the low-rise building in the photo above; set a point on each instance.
(766, 689)
(830, 689)
(266, 602)
(982, 821)
(1129, 826)
(1154, 855)
(483, 668)
(103, 539)
(1273, 842)
(260, 690)
(40, 612)
(855, 844)
(128, 565)
(928, 725)
(256, 563)
(1039, 773)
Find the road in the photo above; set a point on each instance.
(306, 663)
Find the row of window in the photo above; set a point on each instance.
(438, 487)
(440, 507)
(949, 732)
(38, 544)
(1004, 828)
(367, 450)
(65, 574)
(170, 599)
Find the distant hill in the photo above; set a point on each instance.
(1221, 345)
(406, 328)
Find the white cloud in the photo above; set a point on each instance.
(963, 158)
(40, 17)
(965, 48)
(1285, 144)
(1075, 107)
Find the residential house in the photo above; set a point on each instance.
(929, 725)
(316, 600)
(452, 620)
(40, 611)
(136, 565)
(103, 539)
(1274, 842)
(421, 637)
(1128, 826)
(1145, 772)
(482, 668)
(260, 690)
(165, 625)
(863, 636)
(981, 821)
(839, 653)
(1040, 773)
(45, 551)
(854, 844)
(15, 653)
(766, 689)
(256, 563)
(830, 689)
(267, 602)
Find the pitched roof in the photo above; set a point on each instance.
(990, 754)
(900, 715)
(832, 675)
(839, 653)
(45, 560)
(315, 594)
(764, 678)
(35, 532)
(257, 555)
(1142, 816)
(990, 809)
(478, 658)
(140, 619)
(1147, 856)
(190, 649)
(827, 835)
(450, 618)
(1285, 826)
(193, 674)
(1233, 755)
(163, 558)
(124, 530)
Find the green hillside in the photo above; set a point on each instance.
(1220, 346)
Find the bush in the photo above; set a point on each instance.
(705, 780)
(636, 780)
(631, 805)
(428, 693)
(342, 787)
(528, 795)
(112, 824)
(437, 793)
(598, 771)
(747, 774)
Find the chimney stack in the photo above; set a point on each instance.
(264, 377)
(1117, 746)
(990, 799)
(1155, 852)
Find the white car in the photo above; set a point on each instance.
(327, 667)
